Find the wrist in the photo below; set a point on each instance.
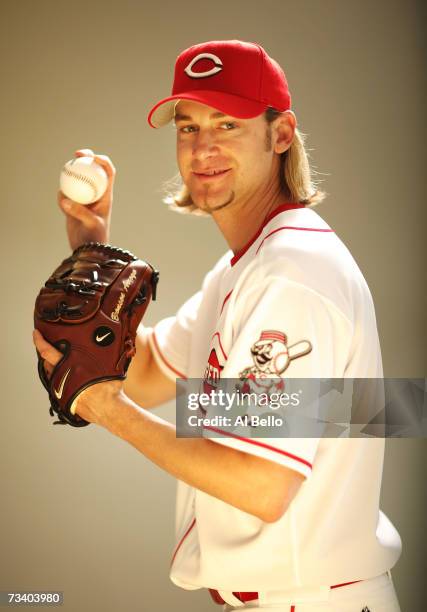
(118, 413)
(97, 403)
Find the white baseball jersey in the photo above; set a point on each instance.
(292, 303)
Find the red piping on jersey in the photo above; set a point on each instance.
(337, 586)
(291, 227)
(220, 345)
(250, 596)
(182, 539)
(256, 443)
(225, 301)
(275, 212)
(165, 361)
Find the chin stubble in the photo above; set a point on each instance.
(211, 209)
(221, 206)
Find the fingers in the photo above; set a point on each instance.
(46, 350)
(102, 160)
(84, 153)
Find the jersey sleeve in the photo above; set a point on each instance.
(170, 339)
(283, 330)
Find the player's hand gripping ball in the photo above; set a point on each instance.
(90, 309)
(83, 180)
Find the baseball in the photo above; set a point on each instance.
(83, 180)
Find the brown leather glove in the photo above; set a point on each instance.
(89, 309)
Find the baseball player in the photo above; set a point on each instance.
(290, 524)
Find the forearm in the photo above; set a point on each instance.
(145, 383)
(236, 478)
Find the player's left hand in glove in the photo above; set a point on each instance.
(87, 314)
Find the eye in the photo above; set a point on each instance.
(228, 125)
(187, 129)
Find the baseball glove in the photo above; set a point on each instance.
(89, 309)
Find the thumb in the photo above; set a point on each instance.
(46, 350)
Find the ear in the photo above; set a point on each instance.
(284, 130)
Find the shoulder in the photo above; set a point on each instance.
(215, 274)
(304, 237)
(299, 247)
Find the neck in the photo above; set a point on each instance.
(240, 222)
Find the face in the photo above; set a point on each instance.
(223, 160)
(270, 355)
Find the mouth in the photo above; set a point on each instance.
(262, 359)
(211, 174)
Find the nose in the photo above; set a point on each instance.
(205, 145)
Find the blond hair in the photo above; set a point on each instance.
(295, 174)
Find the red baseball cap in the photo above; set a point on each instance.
(237, 78)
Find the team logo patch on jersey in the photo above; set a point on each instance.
(272, 355)
(212, 372)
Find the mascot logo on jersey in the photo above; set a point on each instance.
(271, 356)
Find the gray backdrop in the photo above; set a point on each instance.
(82, 511)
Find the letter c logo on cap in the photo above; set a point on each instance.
(201, 75)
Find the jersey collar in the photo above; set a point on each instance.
(281, 208)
